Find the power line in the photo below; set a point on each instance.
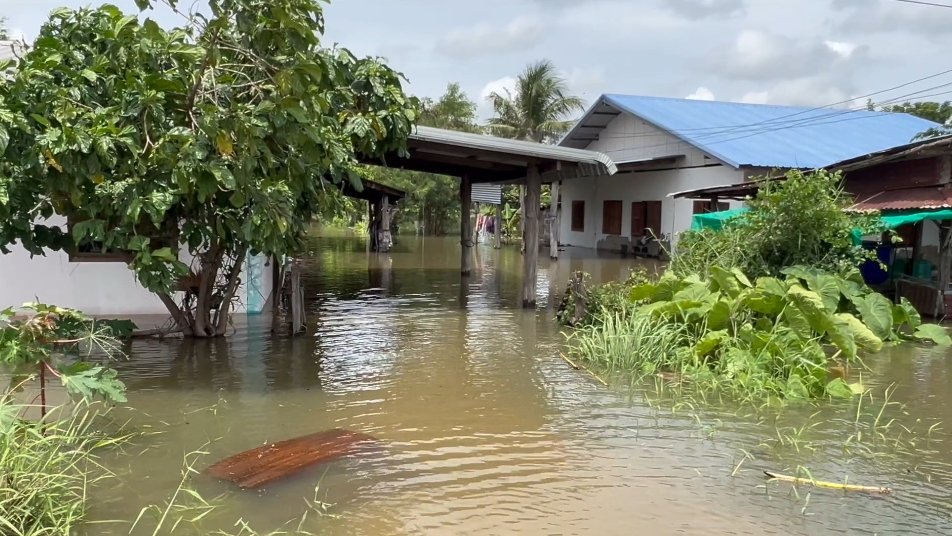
(922, 3)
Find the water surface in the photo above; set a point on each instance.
(487, 431)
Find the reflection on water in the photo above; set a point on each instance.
(486, 431)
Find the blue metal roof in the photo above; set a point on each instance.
(769, 136)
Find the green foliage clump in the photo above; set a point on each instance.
(597, 302)
(773, 336)
(799, 220)
(64, 343)
(46, 469)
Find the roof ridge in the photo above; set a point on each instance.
(736, 103)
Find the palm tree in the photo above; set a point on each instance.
(539, 111)
(540, 108)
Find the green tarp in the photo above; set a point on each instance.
(892, 220)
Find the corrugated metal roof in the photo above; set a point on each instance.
(487, 193)
(924, 198)
(760, 135)
(588, 163)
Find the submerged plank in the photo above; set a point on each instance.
(259, 466)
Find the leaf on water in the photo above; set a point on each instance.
(933, 333)
(857, 388)
(839, 389)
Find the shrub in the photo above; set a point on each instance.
(800, 220)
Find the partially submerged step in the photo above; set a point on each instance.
(259, 466)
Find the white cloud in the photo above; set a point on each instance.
(702, 9)
(756, 97)
(843, 49)
(483, 39)
(701, 93)
(484, 109)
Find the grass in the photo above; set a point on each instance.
(47, 468)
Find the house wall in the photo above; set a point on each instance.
(103, 288)
(676, 214)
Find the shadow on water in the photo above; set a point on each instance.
(486, 431)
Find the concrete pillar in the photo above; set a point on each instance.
(497, 229)
(531, 216)
(385, 240)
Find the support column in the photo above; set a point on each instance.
(531, 243)
(522, 218)
(554, 222)
(945, 266)
(497, 228)
(386, 240)
(466, 225)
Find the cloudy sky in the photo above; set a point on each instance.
(811, 52)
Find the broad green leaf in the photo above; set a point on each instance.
(811, 305)
(839, 389)
(827, 286)
(725, 281)
(864, 337)
(934, 333)
(876, 311)
(92, 381)
(905, 315)
(842, 336)
(710, 342)
(695, 292)
(741, 277)
(719, 317)
(645, 291)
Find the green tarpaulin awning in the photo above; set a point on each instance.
(892, 220)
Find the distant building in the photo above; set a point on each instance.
(665, 145)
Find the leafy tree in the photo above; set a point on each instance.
(453, 111)
(213, 137)
(797, 221)
(939, 112)
(539, 110)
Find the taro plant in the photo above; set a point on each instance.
(774, 335)
(63, 343)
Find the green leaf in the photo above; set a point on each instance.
(827, 286)
(876, 311)
(695, 292)
(710, 342)
(906, 315)
(645, 291)
(864, 337)
(839, 389)
(741, 277)
(725, 281)
(934, 333)
(811, 305)
(92, 381)
(719, 317)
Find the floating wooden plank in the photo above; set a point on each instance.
(259, 466)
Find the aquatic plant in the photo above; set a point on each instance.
(770, 337)
(46, 468)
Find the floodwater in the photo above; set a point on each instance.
(485, 430)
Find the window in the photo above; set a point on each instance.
(611, 218)
(578, 216)
(646, 218)
(90, 250)
(703, 207)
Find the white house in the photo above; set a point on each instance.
(665, 145)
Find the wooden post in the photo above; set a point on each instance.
(385, 240)
(497, 228)
(554, 222)
(297, 299)
(531, 242)
(522, 218)
(372, 225)
(945, 264)
(466, 225)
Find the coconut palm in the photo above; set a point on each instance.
(539, 110)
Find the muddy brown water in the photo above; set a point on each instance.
(486, 431)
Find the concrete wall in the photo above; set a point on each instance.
(676, 214)
(103, 288)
